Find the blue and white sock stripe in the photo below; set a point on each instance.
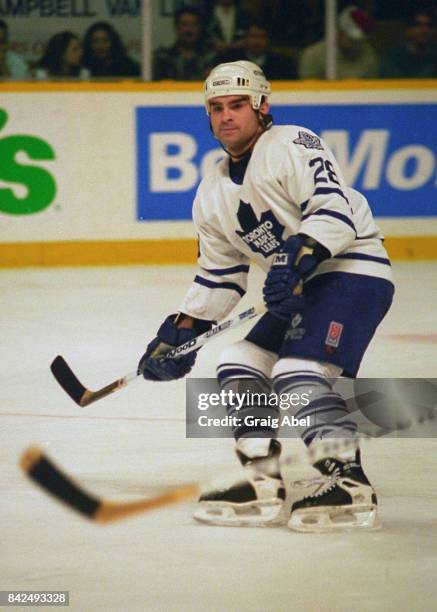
(235, 376)
(346, 429)
(335, 412)
(327, 409)
(232, 374)
(236, 370)
(336, 428)
(326, 400)
(245, 367)
(238, 373)
(287, 382)
(302, 374)
(262, 410)
(244, 431)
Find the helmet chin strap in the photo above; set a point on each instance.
(265, 122)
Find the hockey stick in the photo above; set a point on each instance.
(54, 480)
(45, 473)
(83, 396)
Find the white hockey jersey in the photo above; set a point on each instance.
(292, 184)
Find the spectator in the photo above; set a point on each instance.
(297, 24)
(62, 58)
(12, 65)
(187, 59)
(417, 58)
(356, 58)
(105, 55)
(226, 26)
(256, 49)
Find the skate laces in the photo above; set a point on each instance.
(306, 483)
(329, 485)
(324, 483)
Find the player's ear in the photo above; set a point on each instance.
(264, 107)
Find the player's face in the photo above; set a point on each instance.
(234, 122)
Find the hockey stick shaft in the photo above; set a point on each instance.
(217, 330)
(83, 396)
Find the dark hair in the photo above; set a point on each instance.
(4, 25)
(186, 10)
(117, 48)
(54, 52)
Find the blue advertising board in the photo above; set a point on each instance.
(386, 151)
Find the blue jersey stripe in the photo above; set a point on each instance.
(304, 205)
(326, 190)
(331, 213)
(224, 271)
(364, 257)
(213, 285)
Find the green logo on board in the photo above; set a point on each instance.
(38, 182)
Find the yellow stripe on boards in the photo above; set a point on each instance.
(411, 247)
(168, 252)
(98, 253)
(196, 86)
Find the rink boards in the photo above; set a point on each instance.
(106, 173)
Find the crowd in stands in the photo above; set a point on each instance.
(287, 39)
(397, 40)
(101, 53)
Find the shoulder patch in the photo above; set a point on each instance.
(309, 141)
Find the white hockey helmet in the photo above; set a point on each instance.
(240, 78)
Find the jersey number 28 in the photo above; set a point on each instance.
(324, 172)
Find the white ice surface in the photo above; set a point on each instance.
(133, 444)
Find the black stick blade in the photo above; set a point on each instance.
(48, 476)
(67, 379)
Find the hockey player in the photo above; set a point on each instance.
(280, 191)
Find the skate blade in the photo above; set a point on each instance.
(225, 514)
(336, 518)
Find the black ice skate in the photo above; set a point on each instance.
(256, 501)
(346, 500)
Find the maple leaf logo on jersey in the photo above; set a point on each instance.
(263, 236)
(309, 141)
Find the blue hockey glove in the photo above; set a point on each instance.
(284, 282)
(154, 366)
